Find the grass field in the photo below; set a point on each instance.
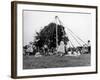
(31, 62)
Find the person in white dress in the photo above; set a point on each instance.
(61, 48)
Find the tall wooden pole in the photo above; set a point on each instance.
(56, 33)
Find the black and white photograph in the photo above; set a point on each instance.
(54, 39)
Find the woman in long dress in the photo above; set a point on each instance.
(61, 48)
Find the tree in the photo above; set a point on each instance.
(47, 36)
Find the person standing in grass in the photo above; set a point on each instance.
(45, 49)
(61, 48)
(89, 47)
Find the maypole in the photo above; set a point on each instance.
(56, 32)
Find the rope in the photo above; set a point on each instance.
(61, 24)
(71, 42)
(71, 31)
(63, 31)
(75, 39)
(77, 36)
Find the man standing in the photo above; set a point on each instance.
(89, 46)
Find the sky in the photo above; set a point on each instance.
(79, 23)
